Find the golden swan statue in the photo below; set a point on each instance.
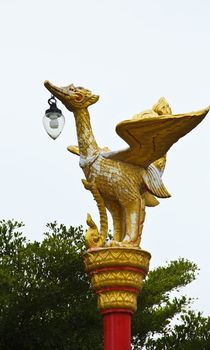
(126, 181)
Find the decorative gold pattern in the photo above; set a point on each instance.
(117, 300)
(126, 181)
(117, 275)
(116, 256)
(119, 278)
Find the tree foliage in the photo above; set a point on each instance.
(46, 300)
(162, 322)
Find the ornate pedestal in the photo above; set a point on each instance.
(117, 276)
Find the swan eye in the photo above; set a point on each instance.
(79, 97)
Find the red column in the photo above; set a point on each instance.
(117, 329)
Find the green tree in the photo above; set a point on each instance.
(46, 300)
(162, 322)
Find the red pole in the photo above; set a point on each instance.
(117, 329)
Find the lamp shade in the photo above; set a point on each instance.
(53, 120)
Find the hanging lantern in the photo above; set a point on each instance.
(53, 119)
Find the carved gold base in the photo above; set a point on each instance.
(117, 275)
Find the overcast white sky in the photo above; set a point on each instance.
(130, 52)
